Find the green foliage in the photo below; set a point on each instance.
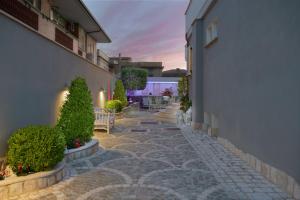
(183, 86)
(183, 92)
(134, 78)
(35, 148)
(77, 114)
(119, 93)
(185, 103)
(114, 104)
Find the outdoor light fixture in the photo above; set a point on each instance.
(101, 98)
(64, 94)
(61, 99)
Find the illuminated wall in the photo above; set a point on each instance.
(32, 86)
(156, 85)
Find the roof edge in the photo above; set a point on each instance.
(188, 7)
(93, 18)
(208, 4)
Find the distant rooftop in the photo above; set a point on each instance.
(174, 73)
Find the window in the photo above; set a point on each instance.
(211, 32)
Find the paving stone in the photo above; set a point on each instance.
(159, 164)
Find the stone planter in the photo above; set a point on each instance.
(88, 149)
(184, 118)
(119, 115)
(13, 186)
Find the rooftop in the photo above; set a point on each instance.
(75, 10)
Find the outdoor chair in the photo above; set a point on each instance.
(104, 119)
(155, 103)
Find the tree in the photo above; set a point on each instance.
(77, 114)
(119, 93)
(134, 78)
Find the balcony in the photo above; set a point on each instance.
(20, 12)
(53, 27)
(63, 39)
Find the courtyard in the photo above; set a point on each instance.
(147, 157)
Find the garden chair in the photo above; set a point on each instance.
(152, 103)
(104, 119)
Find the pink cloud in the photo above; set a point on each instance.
(144, 30)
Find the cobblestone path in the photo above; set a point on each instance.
(147, 157)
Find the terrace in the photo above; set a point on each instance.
(56, 21)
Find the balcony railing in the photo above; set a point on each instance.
(21, 12)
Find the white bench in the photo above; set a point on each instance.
(104, 119)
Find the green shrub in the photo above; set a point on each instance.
(183, 92)
(134, 78)
(35, 148)
(185, 103)
(119, 93)
(77, 114)
(114, 104)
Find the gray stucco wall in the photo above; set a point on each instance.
(251, 78)
(197, 73)
(192, 12)
(34, 71)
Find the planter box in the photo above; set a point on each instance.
(17, 185)
(88, 149)
(119, 115)
(13, 186)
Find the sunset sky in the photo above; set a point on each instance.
(146, 30)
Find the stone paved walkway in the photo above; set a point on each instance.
(147, 157)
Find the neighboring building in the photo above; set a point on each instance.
(244, 58)
(102, 60)
(116, 63)
(44, 46)
(154, 68)
(174, 73)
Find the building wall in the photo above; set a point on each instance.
(251, 79)
(91, 48)
(193, 10)
(34, 73)
(154, 72)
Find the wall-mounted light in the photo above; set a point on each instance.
(101, 98)
(61, 99)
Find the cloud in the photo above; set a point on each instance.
(148, 30)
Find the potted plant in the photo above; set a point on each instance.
(167, 94)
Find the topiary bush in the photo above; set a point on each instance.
(77, 118)
(114, 104)
(134, 78)
(35, 148)
(119, 93)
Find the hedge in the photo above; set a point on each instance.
(77, 118)
(114, 104)
(134, 78)
(35, 148)
(119, 93)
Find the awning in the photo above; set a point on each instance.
(75, 10)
